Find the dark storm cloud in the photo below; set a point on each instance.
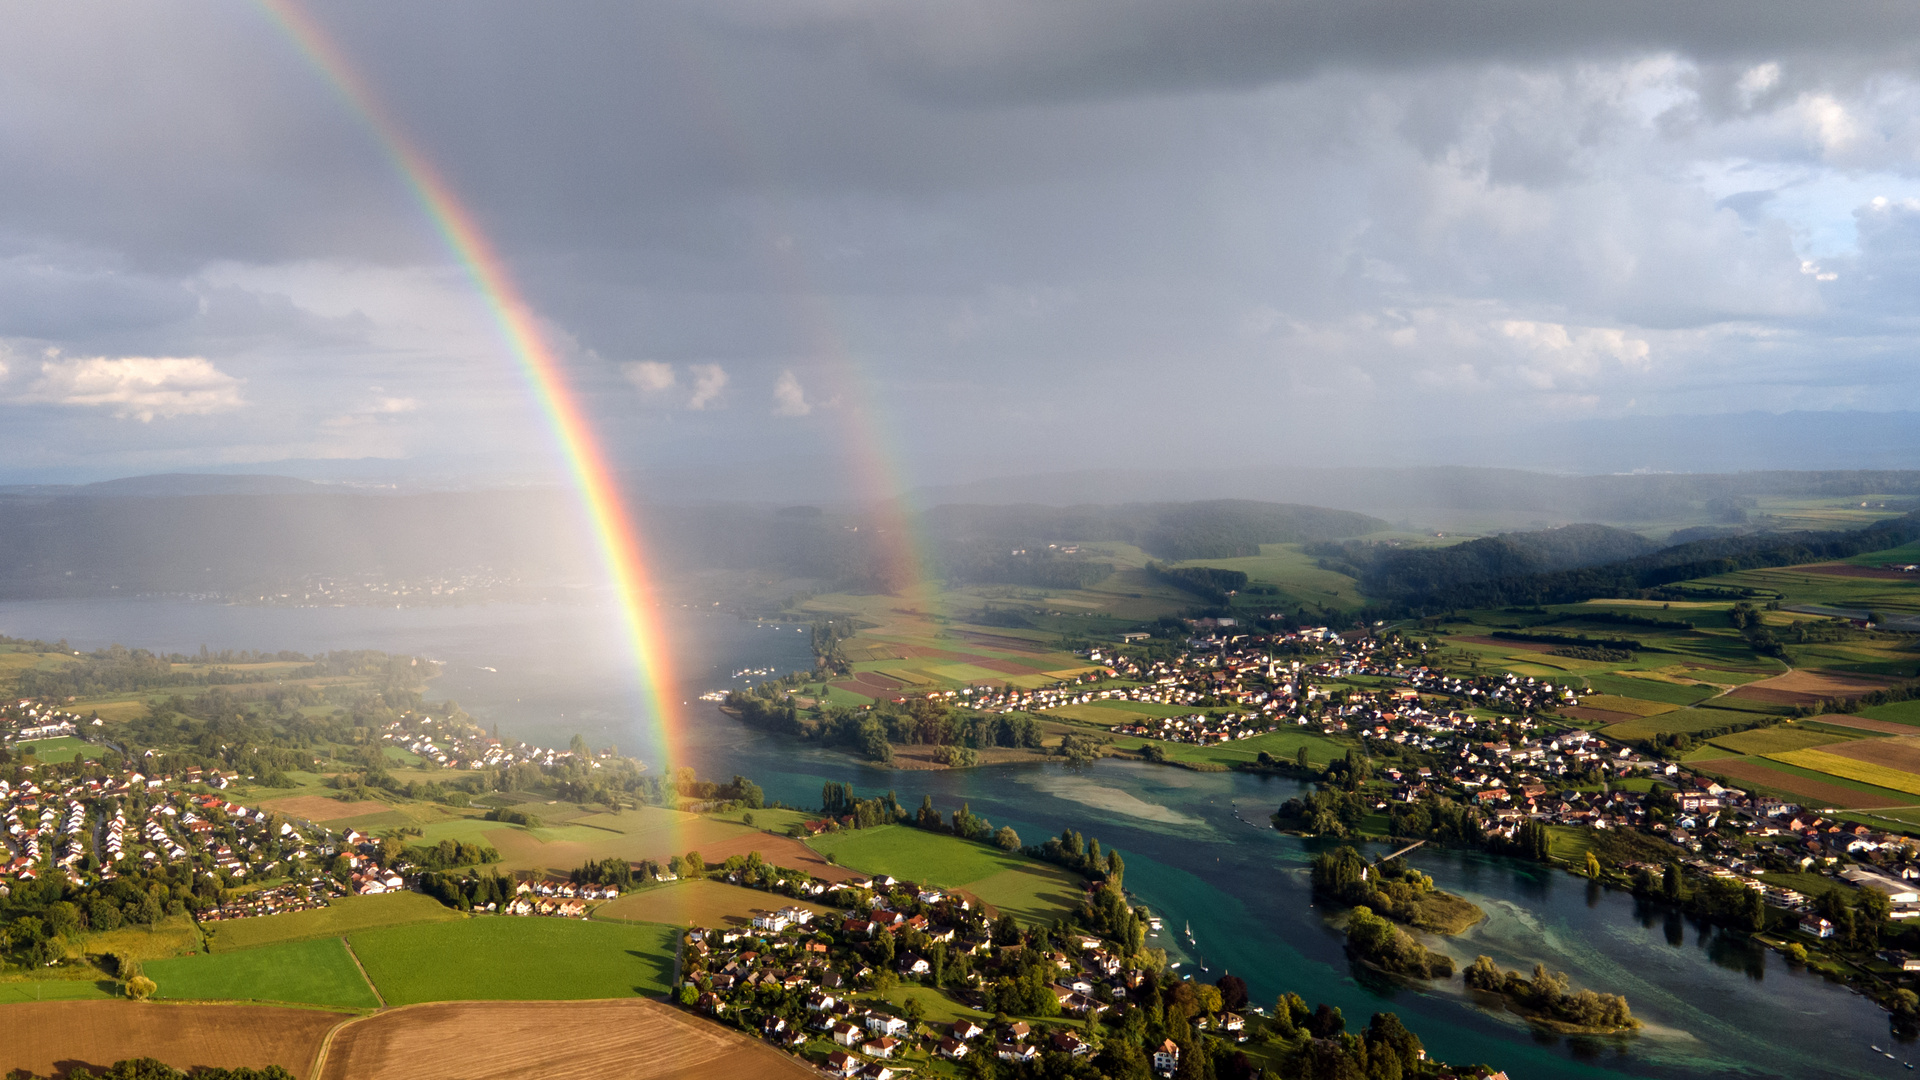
(1038, 229)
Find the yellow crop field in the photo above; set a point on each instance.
(1849, 769)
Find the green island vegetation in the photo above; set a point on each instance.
(1393, 889)
(1376, 941)
(1544, 999)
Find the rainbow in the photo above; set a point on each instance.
(611, 519)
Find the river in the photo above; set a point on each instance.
(1196, 846)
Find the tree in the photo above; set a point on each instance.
(1670, 883)
(914, 1012)
(140, 988)
(1300, 758)
(1593, 866)
(1006, 839)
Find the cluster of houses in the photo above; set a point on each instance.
(374, 589)
(277, 900)
(455, 745)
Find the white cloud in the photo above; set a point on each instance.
(789, 398)
(650, 376)
(708, 381)
(137, 387)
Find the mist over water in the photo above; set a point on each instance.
(1196, 844)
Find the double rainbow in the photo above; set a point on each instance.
(591, 471)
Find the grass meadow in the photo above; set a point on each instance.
(316, 972)
(504, 958)
(344, 916)
(1030, 891)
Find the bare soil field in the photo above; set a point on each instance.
(632, 1039)
(1866, 723)
(1815, 792)
(321, 808)
(877, 680)
(780, 851)
(1005, 667)
(1895, 752)
(699, 903)
(58, 1037)
(1807, 687)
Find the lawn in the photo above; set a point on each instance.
(940, 1009)
(916, 855)
(316, 972)
(343, 916)
(60, 750)
(1033, 892)
(505, 958)
(1282, 744)
(23, 990)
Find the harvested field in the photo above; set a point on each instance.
(1005, 667)
(1807, 687)
(548, 1040)
(57, 1038)
(852, 687)
(699, 903)
(1814, 792)
(320, 808)
(1863, 723)
(878, 681)
(1900, 752)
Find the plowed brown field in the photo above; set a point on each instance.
(1895, 752)
(1816, 793)
(1867, 723)
(631, 1039)
(1807, 687)
(58, 1037)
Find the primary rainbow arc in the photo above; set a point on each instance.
(588, 465)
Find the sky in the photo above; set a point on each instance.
(931, 243)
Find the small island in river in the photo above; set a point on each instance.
(1544, 1000)
(1393, 889)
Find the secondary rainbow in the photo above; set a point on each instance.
(612, 521)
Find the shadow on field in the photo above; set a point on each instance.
(662, 970)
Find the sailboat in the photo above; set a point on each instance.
(1190, 933)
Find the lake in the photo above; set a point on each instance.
(1196, 844)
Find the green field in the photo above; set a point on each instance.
(1684, 720)
(1649, 689)
(343, 916)
(16, 991)
(60, 750)
(316, 972)
(1297, 575)
(1282, 744)
(1900, 712)
(504, 958)
(1031, 891)
(1775, 740)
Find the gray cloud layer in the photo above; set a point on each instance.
(1009, 234)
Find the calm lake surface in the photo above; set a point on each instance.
(1196, 844)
